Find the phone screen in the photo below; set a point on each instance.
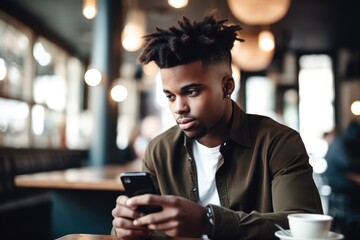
(138, 183)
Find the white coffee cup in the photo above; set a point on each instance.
(309, 225)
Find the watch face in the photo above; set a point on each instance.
(210, 215)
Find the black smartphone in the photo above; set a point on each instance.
(138, 183)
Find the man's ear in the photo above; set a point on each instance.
(228, 85)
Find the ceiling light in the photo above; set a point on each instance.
(178, 3)
(89, 9)
(119, 93)
(249, 56)
(259, 12)
(92, 77)
(355, 108)
(134, 30)
(266, 41)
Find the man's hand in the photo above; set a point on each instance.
(180, 217)
(123, 221)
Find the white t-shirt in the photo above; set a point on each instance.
(207, 163)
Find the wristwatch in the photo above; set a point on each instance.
(210, 215)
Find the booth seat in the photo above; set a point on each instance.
(25, 210)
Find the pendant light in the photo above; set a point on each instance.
(259, 12)
(89, 9)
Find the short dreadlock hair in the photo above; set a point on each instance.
(209, 40)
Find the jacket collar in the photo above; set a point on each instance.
(239, 128)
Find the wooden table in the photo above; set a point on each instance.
(82, 198)
(108, 237)
(86, 178)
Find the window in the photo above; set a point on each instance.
(260, 97)
(316, 102)
(49, 94)
(40, 91)
(15, 66)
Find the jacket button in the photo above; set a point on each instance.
(190, 159)
(194, 189)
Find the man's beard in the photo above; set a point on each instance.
(201, 134)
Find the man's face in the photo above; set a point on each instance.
(196, 97)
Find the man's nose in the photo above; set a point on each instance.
(181, 106)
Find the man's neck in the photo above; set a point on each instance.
(216, 136)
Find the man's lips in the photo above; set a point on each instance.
(185, 122)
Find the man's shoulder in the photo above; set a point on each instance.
(172, 135)
(265, 128)
(248, 128)
(267, 123)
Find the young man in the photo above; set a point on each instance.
(221, 172)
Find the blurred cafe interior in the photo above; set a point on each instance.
(72, 94)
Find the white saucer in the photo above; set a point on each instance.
(282, 236)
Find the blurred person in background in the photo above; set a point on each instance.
(140, 136)
(343, 176)
(150, 127)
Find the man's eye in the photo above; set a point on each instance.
(192, 92)
(170, 97)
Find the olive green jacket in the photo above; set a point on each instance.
(264, 176)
